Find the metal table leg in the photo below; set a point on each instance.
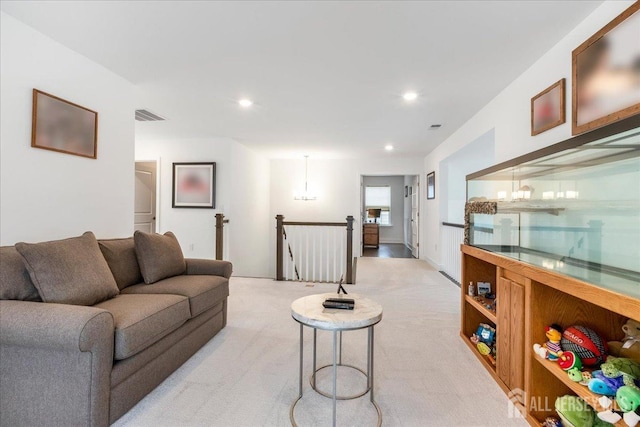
(335, 374)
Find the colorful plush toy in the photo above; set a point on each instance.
(611, 383)
(628, 369)
(628, 398)
(575, 412)
(551, 348)
(602, 385)
(569, 360)
(551, 422)
(630, 346)
(575, 375)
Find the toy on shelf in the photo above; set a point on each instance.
(484, 339)
(628, 369)
(575, 375)
(630, 346)
(551, 422)
(575, 412)
(569, 360)
(628, 398)
(586, 343)
(551, 348)
(600, 384)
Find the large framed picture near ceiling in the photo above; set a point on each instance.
(194, 185)
(606, 74)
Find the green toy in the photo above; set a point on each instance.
(575, 412)
(628, 398)
(629, 369)
(575, 375)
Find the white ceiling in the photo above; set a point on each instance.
(326, 77)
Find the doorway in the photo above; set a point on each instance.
(145, 218)
(390, 209)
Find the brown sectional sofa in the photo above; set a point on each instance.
(90, 360)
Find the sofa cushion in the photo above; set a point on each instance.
(15, 282)
(69, 271)
(121, 258)
(141, 320)
(159, 256)
(203, 292)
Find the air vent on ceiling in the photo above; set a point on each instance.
(148, 116)
(434, 127)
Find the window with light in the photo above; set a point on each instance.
(378, 197)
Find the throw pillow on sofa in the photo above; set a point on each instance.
(15, 282)
(121, 258)
(159, 256)
(69, 271)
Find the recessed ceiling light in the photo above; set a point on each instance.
(410, 96)
(246, 103)
(388, 147)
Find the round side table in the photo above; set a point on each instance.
(308, 311)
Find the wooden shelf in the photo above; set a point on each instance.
(579, 389)
(480, 306)
(531, 298)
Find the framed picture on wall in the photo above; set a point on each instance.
(547, 108)
(431, 185)
(62, 126)
(194, 185)
(605, 86)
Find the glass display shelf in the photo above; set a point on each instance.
(573, 208)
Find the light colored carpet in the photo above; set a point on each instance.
(248, 374)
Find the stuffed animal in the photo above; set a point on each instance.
(601, 384)
(573, 411)
(630, 346)
(569, 360)
(628, 369)
(551, 422)
(551, 348)
(628, 398)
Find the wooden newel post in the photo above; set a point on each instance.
(279, 248)
(350, 250)
(219, 235)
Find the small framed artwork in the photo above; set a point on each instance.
(431, 185)
(548, 108)
(62, 126)
(406, 191)
(194, 185)
(605, 86)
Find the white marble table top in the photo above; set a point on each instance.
(309, 311)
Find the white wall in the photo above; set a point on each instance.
(395, 232)
(46, 195)
(337, 185)
(509, 114)
(242, 195)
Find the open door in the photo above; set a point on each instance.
(415, 217)
(145, 197)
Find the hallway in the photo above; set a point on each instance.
(388, 250)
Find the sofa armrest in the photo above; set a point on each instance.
(209, 267)
(55, 363)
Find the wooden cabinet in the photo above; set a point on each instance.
(371, 234)
(530, 298)
(510, 329)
